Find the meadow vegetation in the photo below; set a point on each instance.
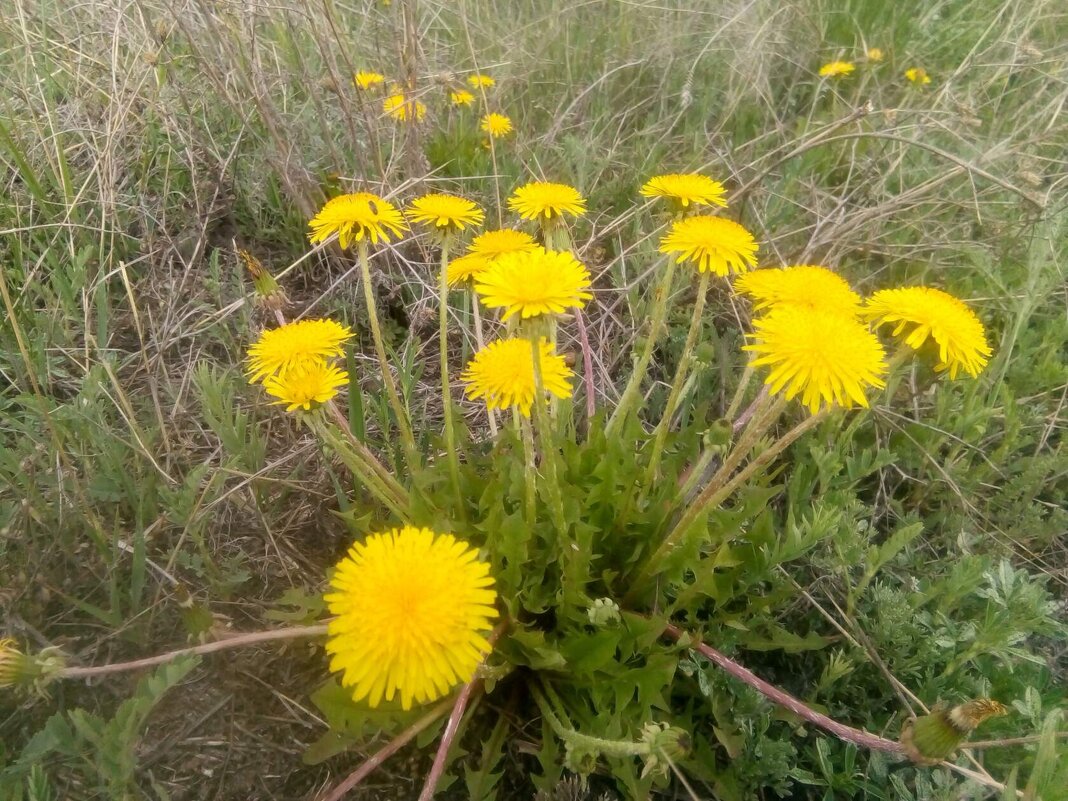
(162, 162)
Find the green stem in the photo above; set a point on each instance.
(530, 474)
(677, 384)
(480, 340)
(364, 453)
(359, 468)
(630, 393)
(739, 393)
(585, 742)
(446, 394)
(717, 491)
(547, 439)
(380, 350)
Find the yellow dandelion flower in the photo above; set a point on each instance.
(502, 373)
(806, 285)
(461, 97)
(685, 189)
(353, 217)
(713, 244)
(478, 81)
(365, 79)
(446, 213)
(492, 244)
(822, 355)
(404, 109)
(875, 54)
(286, 347)
(496, 125)
(14, 663)
(309, 383)
(924, 313)
(551, 201)
(467, 266)
(917, 76)
(836, 69)
(411, 610)
(534, 282)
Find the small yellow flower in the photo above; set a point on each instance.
(467, 266)
(447, 213)
(917, 76)
(411, 607)
(313, 382)
(806, 285)
(924, 313)
(534, 282)
(365, 80)
(478, 81)
(496, 125)
(353, 217)
(461, 97)
(13, 661)
(502, 373)
(875, 54)
(539, 199)
(713, 244)
(293, 345)
(822, 355)
(404, 109)
(836, 69)
(685, 189)
(492, 244)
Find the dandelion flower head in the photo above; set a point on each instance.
(281, 349)
(465, 267)
(353, 217)
(920, 314)
(806, 285)
(496, 125)
(836, 69)
(404, 109)
(365, 79)
(461, 97)
(478, 81)
(411, 610)
(492, 244)
(917, 76)
(307, 384)
(686, 188)
(534, 282)
(548, 201)
(821, 355)
(502, 374)
(713, 244)
(446, 213)
(875, 54)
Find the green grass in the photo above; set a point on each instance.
(149, 496)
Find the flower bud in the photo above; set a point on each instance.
(934, 737)
(603, 612)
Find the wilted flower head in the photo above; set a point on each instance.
(540, 200)
(713, 244)
(824, 356)
(806, 285)
(496, 125)
(404, 109)
(686, 189)
(308, 384)
(917, 76)
(836, 69)
(268, 292)
(411, 610)
(286, 347)
(920, 314)
(365, 79)
(534, 282)
(446, 213)
(502, 374)
(353, 217)
(461, 97)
